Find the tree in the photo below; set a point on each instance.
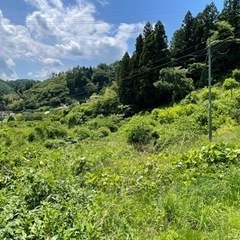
(182, 42)
(236, 75)
(189, 43)
(230, 84)
(161, 54)
(224, 49)
(204, 24)
(173, 84)
(146, 59)
(231, 14)
(198, 72)
(125, 81)
(154, 54)
(223, 31)
(137, 53)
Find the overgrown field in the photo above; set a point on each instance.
(73, 174)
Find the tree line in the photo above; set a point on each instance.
(158, 73)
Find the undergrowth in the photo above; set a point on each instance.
(152, 176)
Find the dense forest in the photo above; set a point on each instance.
(121, 151)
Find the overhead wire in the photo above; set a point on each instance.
(153, 68)
(177, 59)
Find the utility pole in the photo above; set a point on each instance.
(210, 79)
(209, 92)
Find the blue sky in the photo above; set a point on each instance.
(38, 37)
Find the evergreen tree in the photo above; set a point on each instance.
(177, 46)
(154, 53)
(189, 43)
(146, 59)
(161, 54)
(224, 49)
(125, 82)
(137, 53)
(231, 14)
(183, 43)
(204, 25)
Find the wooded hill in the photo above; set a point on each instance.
(155, 74)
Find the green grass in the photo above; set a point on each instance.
(78, 183)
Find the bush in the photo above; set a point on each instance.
(47, 130)
(139, 131)
(103, 131)
(19, 117)
(170, 114)
(54, 143)
(110, 122)
(11, 118)
(83, 133)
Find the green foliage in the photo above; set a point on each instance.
(47, 130)
(217, 154)
(83, 133)
(236, 74)
(224, 31)
(139, 131)
(230, 84)
(197, 71)
(5, 88)
(137, 74)
(105, 104)
(88, 172)
(173, 84)
(169, 115)
(104, 131)
(86, 182)
(54, 143)
(230, 13)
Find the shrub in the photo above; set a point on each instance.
(31, 137)
(110, 122)
(54, 143)
(11, 118)
(46, 130)
(204, 94)
(83, 133)
(103, 131)
(19, 117)
(139, 131)
(56, 132)
(169, 115)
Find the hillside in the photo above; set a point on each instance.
(77, 84)
(73, 174)
(4, 87)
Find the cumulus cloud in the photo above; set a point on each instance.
(54, 32)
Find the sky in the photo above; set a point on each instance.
(41, 37)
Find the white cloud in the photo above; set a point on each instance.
(43, 73)
(54, 32)
(7, 69)
(51, 62)
(103, 2)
